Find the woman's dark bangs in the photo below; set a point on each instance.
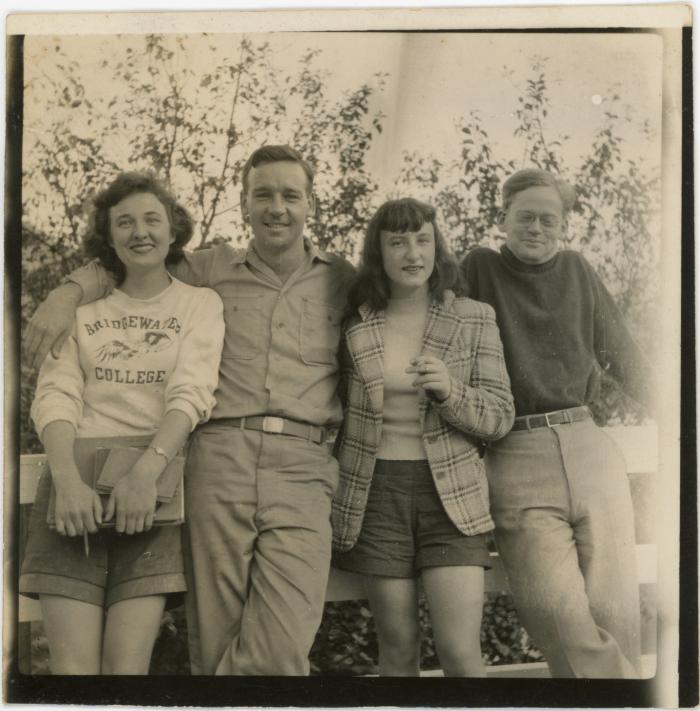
(403, 217)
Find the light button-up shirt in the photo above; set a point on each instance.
(281, 342)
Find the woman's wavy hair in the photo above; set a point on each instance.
(371, 284)
(96, 242)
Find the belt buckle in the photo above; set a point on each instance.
(546, 419)
(273, 425)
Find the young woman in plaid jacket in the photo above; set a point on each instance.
(424, 384)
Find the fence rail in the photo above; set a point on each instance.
(638, 444)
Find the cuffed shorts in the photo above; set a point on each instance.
(119, 566)
(406, 528)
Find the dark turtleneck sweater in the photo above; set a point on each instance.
(559, 327)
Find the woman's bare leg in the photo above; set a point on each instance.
(74, 631)
(456, 600)
(130, 632)
(394, 605)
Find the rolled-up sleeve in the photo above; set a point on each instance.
(194, 379)
(60, 388)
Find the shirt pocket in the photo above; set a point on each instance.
(319, 333)
(244, 327)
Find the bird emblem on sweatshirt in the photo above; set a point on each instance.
(150, 342)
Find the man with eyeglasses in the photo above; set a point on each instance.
(559, 492)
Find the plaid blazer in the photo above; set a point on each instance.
(464, 335)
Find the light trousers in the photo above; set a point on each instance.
(257, 550)
(565, 531)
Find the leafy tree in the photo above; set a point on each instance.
(61, 165)
(344, 187)
(44, 263)
(466, 191)
(615, 221)
(195, 128)
(532, 111)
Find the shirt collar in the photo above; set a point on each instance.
(366, 311)
(241, 256)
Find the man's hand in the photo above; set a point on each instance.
(51, 324)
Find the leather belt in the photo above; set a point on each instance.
(277, 425)
(550, 419)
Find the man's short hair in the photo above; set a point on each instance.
(275, 154)
(535, 177)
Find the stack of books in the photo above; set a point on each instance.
(114, 463)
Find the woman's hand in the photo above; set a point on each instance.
(78, 507)
(433, 377)
(134, 497)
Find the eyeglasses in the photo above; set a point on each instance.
(525, 219)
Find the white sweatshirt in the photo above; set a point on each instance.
(129, 361)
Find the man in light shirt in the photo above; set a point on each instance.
(259, 478)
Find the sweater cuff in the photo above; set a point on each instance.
(451, 406)
(41, 423)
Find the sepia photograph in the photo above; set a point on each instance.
(343, 358)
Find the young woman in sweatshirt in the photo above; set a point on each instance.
(139, 370)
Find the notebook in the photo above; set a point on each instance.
(111, 464)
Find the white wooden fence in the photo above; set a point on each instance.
(638, 444)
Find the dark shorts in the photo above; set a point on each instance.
(406, 529)
(119, 566)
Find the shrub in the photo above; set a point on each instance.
(346, 643)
